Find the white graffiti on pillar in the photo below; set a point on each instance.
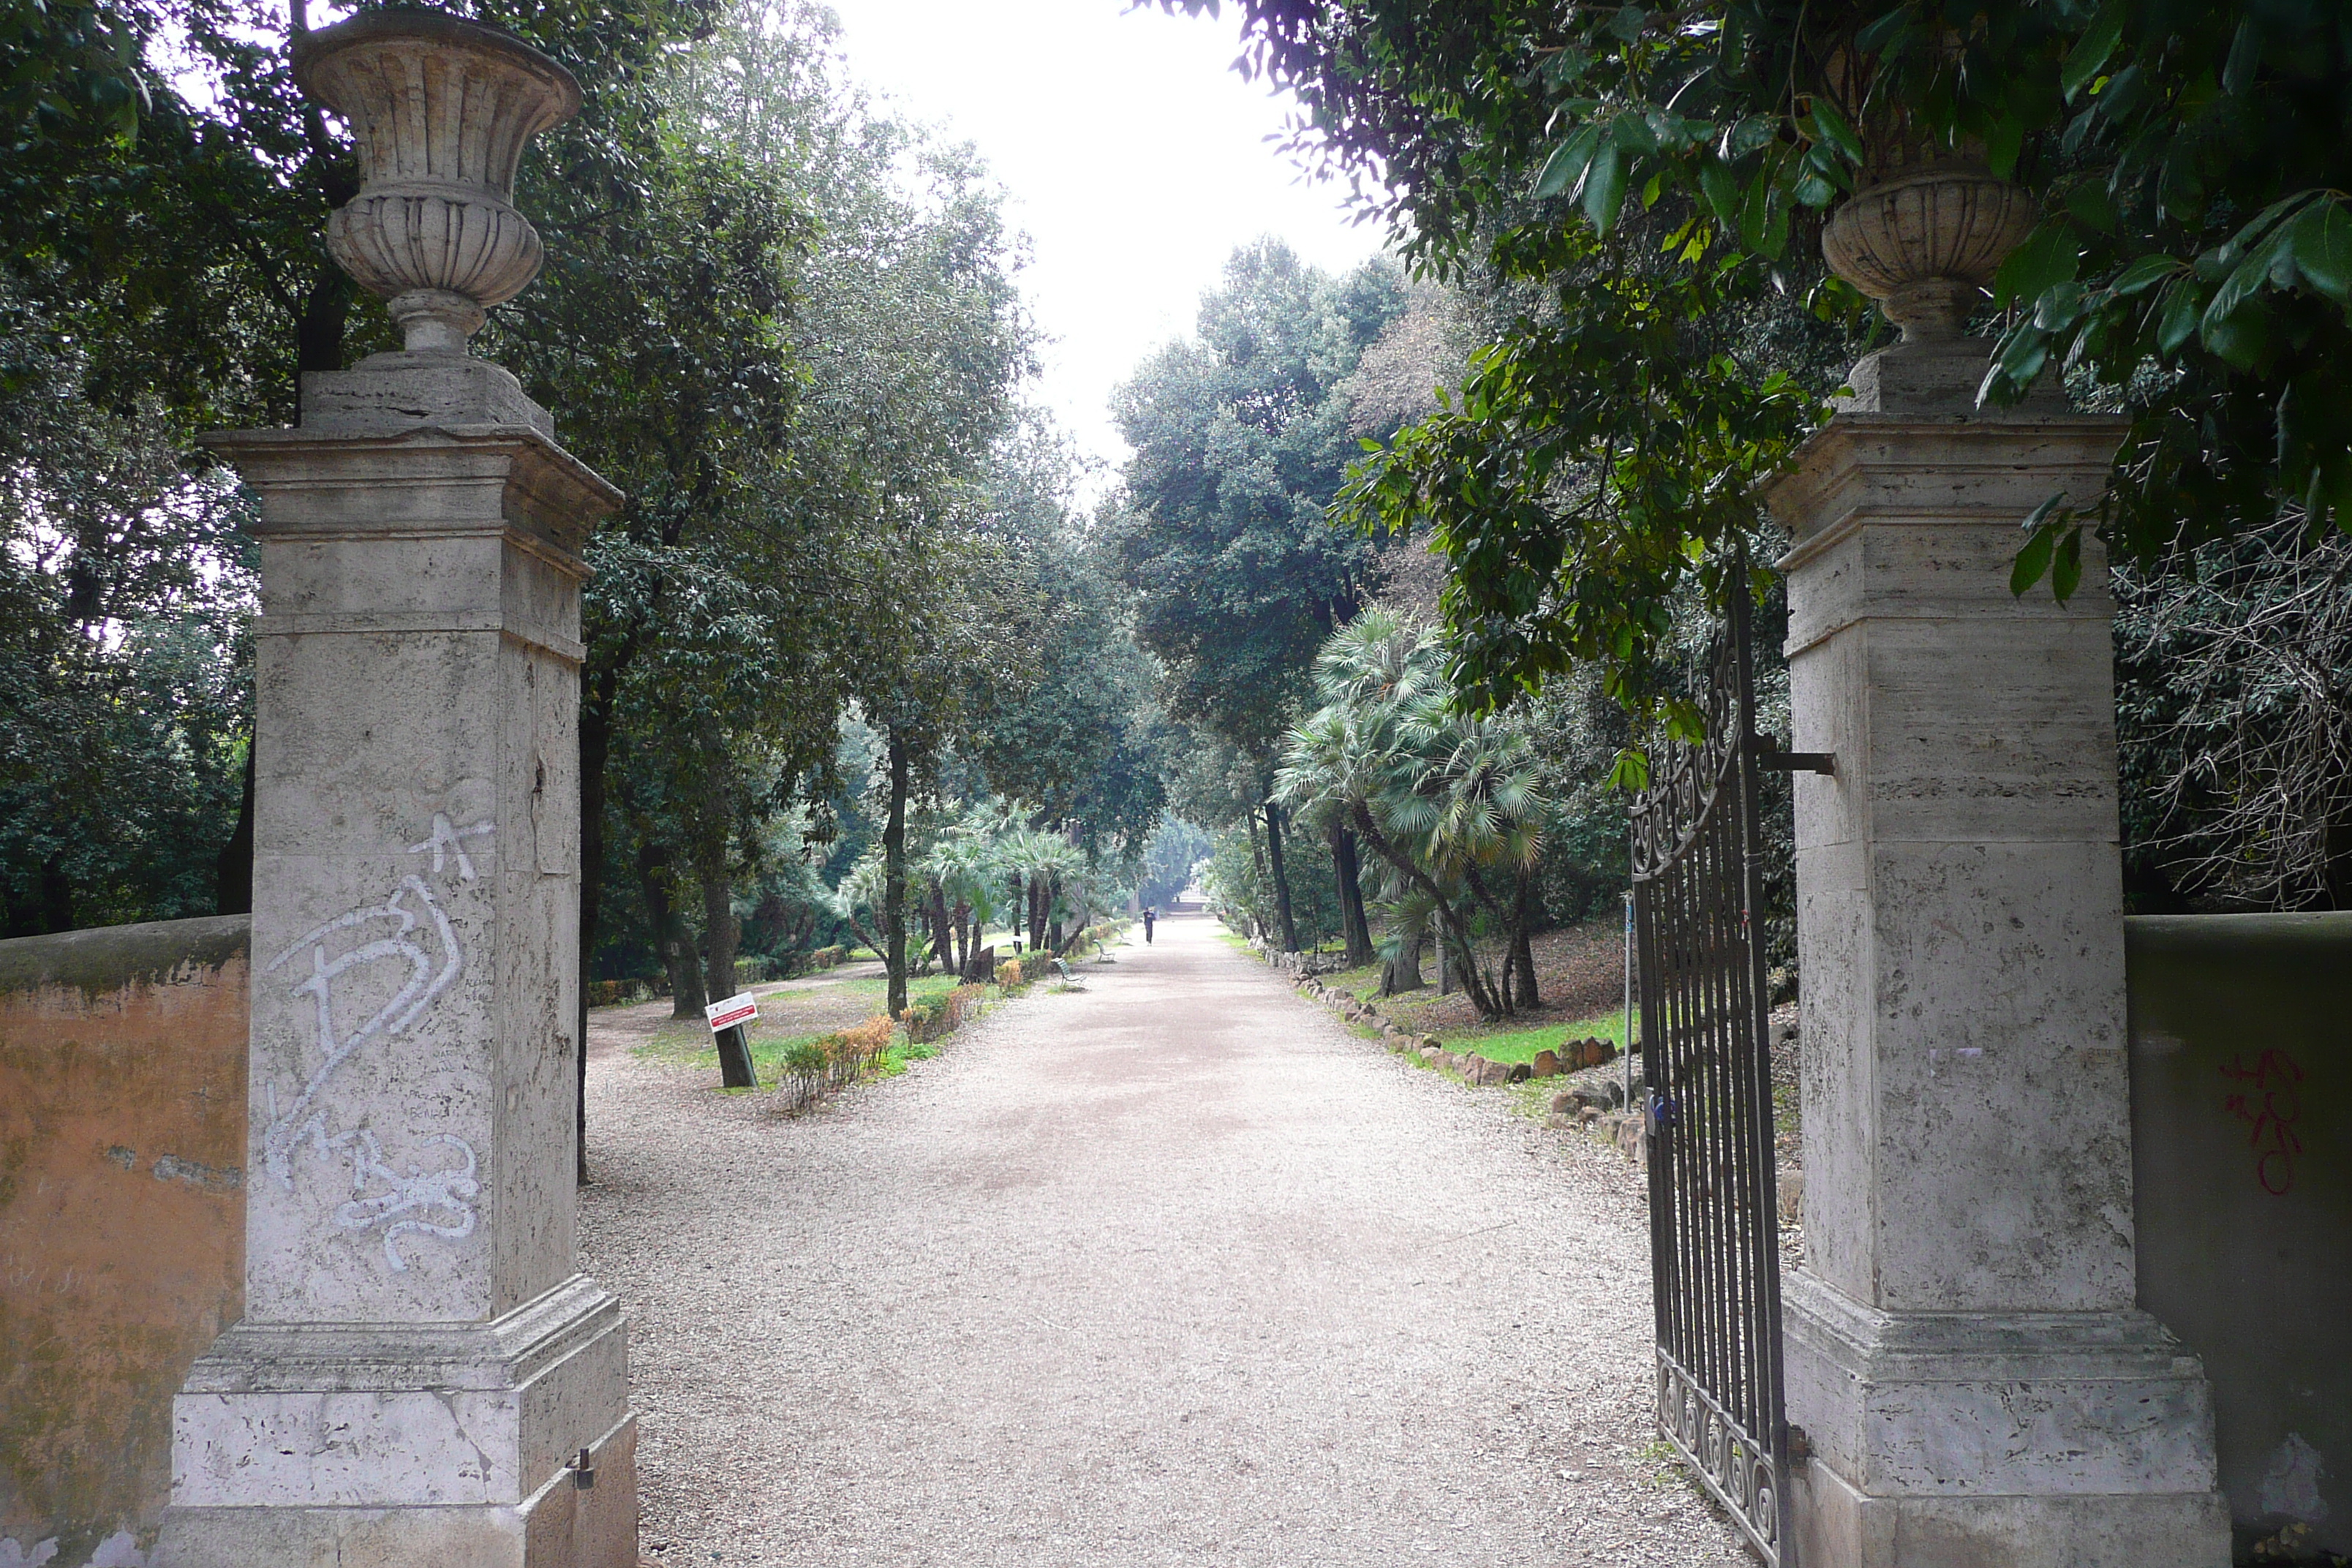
(408, 928)
(447, 840)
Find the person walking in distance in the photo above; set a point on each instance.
(1147, 926)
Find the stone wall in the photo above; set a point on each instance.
(122, 1075)
(2241, 1122)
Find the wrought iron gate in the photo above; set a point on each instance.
(1715, 1255)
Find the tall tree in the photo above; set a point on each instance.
(1241, 439)
(2189, 267)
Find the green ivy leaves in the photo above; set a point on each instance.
(2092, 50)
(2234, 302)
(2053, 547)
(1595, 165)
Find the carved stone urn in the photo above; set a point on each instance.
(1923, 238)
(441, 109)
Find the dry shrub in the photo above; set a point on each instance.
(855, 1046)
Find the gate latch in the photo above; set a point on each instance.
(1773, 760)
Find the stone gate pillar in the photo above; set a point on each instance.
(422, 1376)
(1963, 1351)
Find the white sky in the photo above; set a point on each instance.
(1134, 158)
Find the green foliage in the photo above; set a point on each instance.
(806, 403)
(1451, 803)
(1240, 444)
(1239, 884)
(1591, 459)
(125, 667)
(1064, 721)
(1175, 848)
(2194, 266)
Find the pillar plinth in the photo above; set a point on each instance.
(1963, 1351)
(421, 1362)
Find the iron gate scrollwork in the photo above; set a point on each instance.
(1715, 1261)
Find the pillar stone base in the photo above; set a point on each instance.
(353, 1445)
(1944, 1439)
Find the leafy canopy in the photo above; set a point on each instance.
(2194, 267)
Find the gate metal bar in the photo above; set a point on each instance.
(1715, 1249)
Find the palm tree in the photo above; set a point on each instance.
(1450, 802)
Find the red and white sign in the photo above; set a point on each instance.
(735, 1010)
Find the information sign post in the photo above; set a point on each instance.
(728, 1019)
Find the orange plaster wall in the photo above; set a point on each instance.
(122, 1214)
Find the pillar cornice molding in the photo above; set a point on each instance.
(505, 1351)
(1906, 518)
(1866, 467)
(454, 478)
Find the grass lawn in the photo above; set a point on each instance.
(794, 1016)
(920, 989)
(687, 1042)
(1521, 1045)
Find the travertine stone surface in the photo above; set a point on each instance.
(394, 392)
(1927, 377)
(419, 1354)
(1963, 1353)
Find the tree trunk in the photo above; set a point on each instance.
(718, 926)
(1356, 930)
(233, 868)
(1402, 973)
(1281, 877)
(942, 940)
(672, 941)
(1454, 932)
(864, 938)
(1523, 955)
(894, 878)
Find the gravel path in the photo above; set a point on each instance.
(1173, 1270)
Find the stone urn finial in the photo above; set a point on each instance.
(441, 109)
(1924, 238)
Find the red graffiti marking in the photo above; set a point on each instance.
(2272, 1103)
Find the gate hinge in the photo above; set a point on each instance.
(1773, 760)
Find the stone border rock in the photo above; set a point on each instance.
(1297, 966)
(1468, 1065)
(1595, 1105)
